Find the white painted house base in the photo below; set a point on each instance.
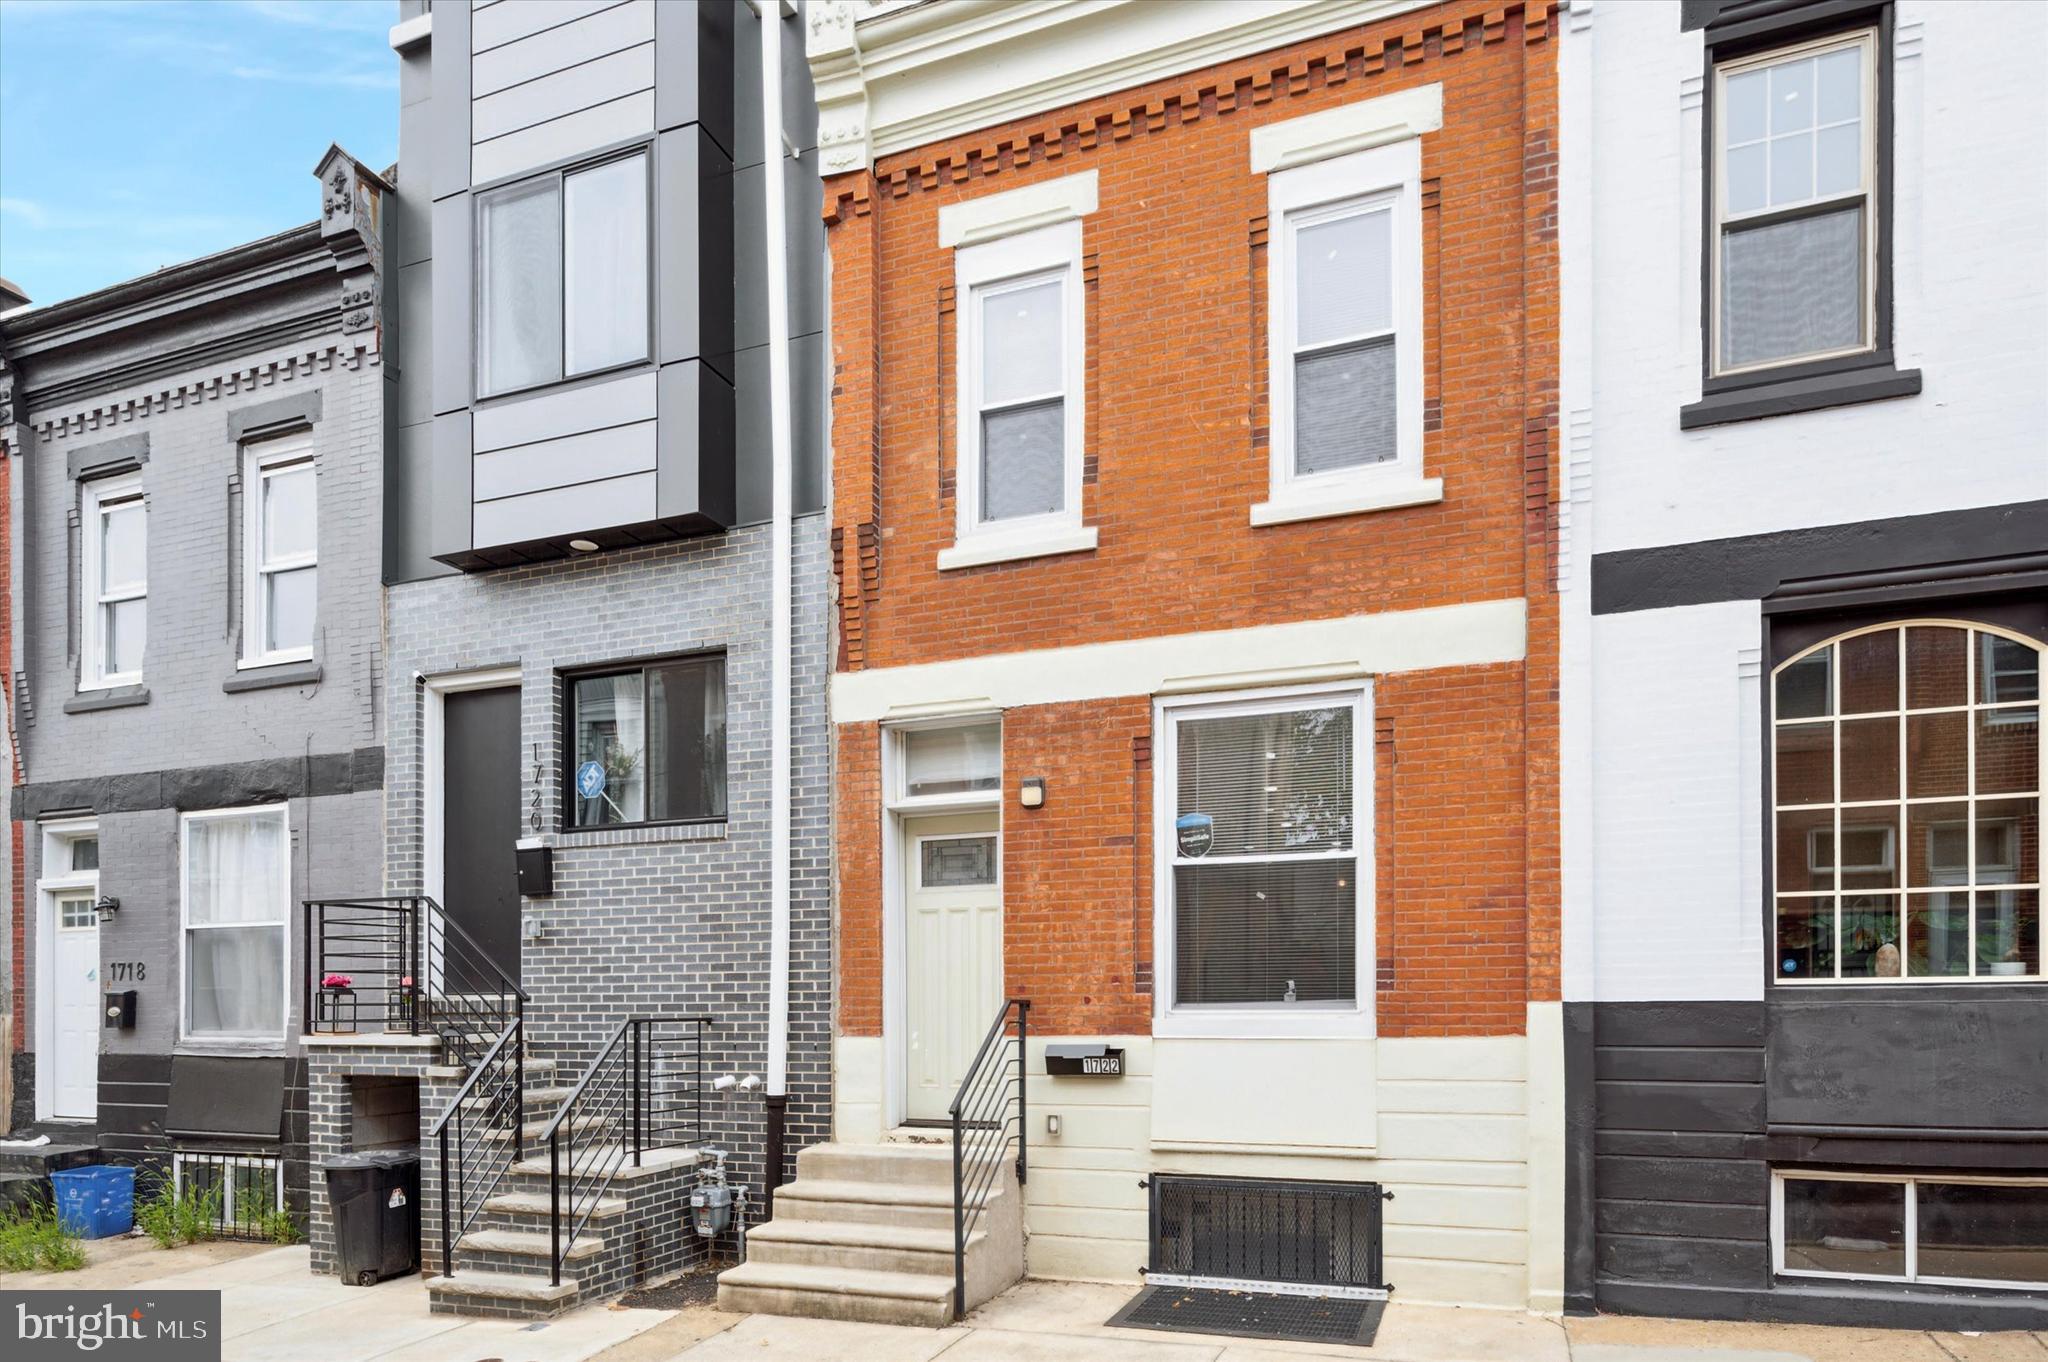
(1466, 1132)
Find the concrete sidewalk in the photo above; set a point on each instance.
(1062, 1322)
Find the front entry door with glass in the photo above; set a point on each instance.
(953, 919)
(75, 1006)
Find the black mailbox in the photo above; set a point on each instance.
(536, 869)
(121, 1010)
(1084, 1061)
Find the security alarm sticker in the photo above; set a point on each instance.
(397, 1198)
(1195, 833)
(590, 779)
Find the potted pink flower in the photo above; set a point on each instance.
(336, 1007)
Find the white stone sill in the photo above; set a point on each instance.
(1387, 498)
(972, 554)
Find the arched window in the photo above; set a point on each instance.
(1907, 794)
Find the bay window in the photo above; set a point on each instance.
(1262, 844)
(1907, 807)
(648, 744)
(280, 552)
(236, 904)
(562, 275)
(114, 583)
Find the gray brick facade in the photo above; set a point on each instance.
(660, 921)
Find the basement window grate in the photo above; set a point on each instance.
(1252, 1232)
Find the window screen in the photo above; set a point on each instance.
(1344, 348)
(1023, 404)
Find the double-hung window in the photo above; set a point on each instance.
(1795, 176)
(1344, 313)
(114, 582)
(1021, 357)
(237, 901)
(1263, 846)
(649, 744)
(562, 275)
(280, 548)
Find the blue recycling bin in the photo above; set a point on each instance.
(96, 1201)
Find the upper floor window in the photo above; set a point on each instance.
(280, 552)
(1794, 189)
(649, 744)
(1022, 360)
(1344, 292)
(562, 275)
(1265, 922)
(1908, 807)
(114, 583)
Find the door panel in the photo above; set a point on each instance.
(953, 918)
(480, 823)
(75, 1010)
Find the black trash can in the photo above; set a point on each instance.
(375, 1197)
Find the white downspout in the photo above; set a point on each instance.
(779, 708)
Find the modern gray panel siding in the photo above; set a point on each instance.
(562, 48)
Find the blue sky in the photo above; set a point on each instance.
(138, 133)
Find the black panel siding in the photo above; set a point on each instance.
(134, 1095)
(1693, 1103)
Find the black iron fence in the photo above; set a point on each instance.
(1285, 1232)
(239, 1194)
(480, 1134)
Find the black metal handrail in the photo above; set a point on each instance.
(410, 968)
(479, 1133)
(644, 1090)
(988, 1112)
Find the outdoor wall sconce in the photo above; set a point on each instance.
(105, 909)
(1031, 793)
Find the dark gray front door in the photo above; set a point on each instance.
(480, 821)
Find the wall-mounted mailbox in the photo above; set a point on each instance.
(1084, 1061)
(121, 1010)
(536, 868)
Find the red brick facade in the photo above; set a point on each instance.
(1175, 259)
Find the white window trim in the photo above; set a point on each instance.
(1866, 192)
(1973, 883)
(91, 652)
(55, 834)
(1389, 175)
(896, 767)
(259, 462)
(989, 217)
(1035, 256)
(241, 1164)
(1911, 1183)
(233, 1039)
(1347, 128)
(1255, 1022)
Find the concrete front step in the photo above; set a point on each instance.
(536, 1244)
(513, 1295)
(548, 1097)
(756, 1287)
(866, 1246)
(914, 1165)
(866, 1203)
(521, 1205)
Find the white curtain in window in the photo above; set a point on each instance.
(605, 286)
(236, 898)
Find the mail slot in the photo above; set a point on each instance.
(1084, 1061)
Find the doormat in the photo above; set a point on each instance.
(1246, 1314)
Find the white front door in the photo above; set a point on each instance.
(953, 918)
(73, 988)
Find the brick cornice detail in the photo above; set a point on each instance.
(268, 373)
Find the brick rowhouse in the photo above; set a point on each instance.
(1463, 745)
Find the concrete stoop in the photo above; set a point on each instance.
(636, 1231)
(866, 1233)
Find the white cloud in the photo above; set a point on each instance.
(30, 212)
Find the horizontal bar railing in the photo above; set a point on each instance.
(643, 1091)
(989, 1111)
(479, 1133)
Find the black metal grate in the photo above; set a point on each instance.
(1245, 1314)
(1267, 1230)
(239, 1194)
